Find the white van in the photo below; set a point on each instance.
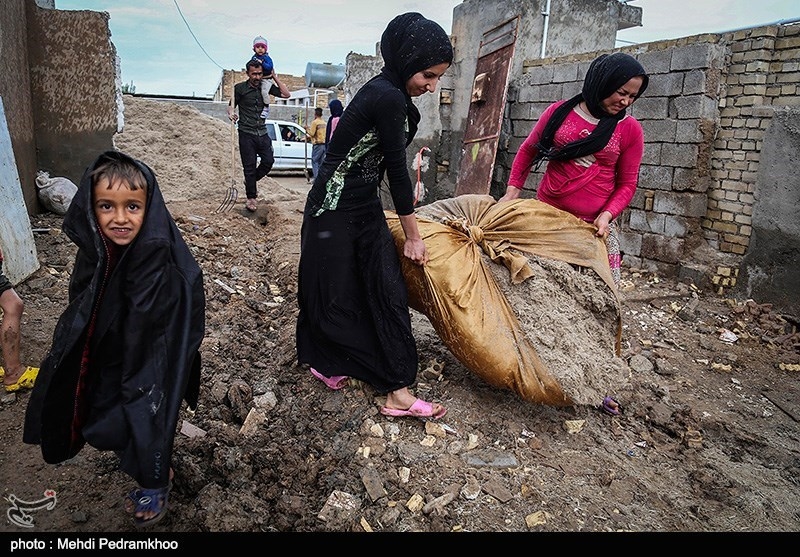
(292, 151)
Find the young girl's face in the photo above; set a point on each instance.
(119, 210)
(260, 49)
(426, 80)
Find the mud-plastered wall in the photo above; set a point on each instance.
(74, 88)
(15, 90)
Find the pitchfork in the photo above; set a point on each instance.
(232, 194)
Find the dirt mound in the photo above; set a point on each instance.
(190, 152)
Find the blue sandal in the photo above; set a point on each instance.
(141, 500)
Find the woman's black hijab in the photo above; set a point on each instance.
(606, 74)
(410, 44)
(336, 108)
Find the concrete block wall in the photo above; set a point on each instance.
(678, 114)
(60, 88)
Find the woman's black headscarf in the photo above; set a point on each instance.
(336, 107)
(410, 44)
(606, 74)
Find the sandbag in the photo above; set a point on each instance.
(55, 193)
(521, 294)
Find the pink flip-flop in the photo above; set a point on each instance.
(420, 409)
(336, 382)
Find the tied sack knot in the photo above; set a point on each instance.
(476, 233)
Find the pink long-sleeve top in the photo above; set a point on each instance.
(585, 187)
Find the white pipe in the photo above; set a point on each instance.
(546, 14)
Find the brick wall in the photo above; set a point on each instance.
(763, 73)
(710, 99)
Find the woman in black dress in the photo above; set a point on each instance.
(354, 319)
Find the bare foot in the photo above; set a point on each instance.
(11, 376)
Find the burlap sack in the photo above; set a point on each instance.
(521, 294)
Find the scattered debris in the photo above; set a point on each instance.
(537, 519)
(373, 483)
(472, 489)
(492, 459)
(728, 336)
(225, 287)
(435, 429)
(416, 503)
(693, 439)
(499, 492)
(340, 506)
(438, 504)
(254, 419)
(404, 473)
(574, 426)
(428, 441)
(190, 430)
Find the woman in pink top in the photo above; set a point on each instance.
(592, 147)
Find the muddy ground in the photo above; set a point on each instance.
(708, 440)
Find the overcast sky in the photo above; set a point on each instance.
(157, 48)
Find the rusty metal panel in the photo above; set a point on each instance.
(487, 105)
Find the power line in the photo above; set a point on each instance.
(195, 38)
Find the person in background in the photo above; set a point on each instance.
(261, 55)
(125, 350)
(336, 108)
(254, 140)
(354, 319)
(593, 149)
(15, 375)
(287, 133)
(316, 131)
